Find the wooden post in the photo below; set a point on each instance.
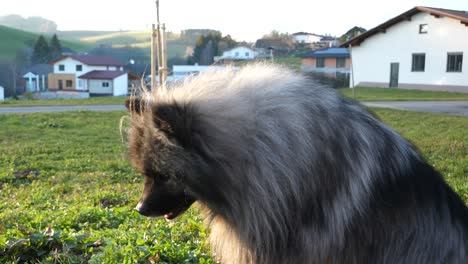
(153, 58)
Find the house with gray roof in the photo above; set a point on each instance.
(331, 61)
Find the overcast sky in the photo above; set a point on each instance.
(242, 19)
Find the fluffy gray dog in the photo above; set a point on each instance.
(290, 172)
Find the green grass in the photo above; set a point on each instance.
(67, 191)
(392, 94)
(107, 100)
(13, 40)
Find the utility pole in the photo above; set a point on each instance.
(158, 53)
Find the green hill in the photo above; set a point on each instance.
(13, 40)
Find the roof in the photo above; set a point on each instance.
(102, 75)
(93, 60)
(306, 33)
(327, 53)
(437, 12)
(39, 69)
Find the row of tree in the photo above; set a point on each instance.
(44, 51)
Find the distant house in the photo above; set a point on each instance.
(98, 75)
(182, 71)
(2, 93)
(236, 54)
(306, 38)
(329, 41)
(35, 78)
(279, 47)
(329, 60)
(422, 48)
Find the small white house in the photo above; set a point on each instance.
(423, 48)
(238, 53)
(98, 75)
(2, 93)
(181, 71)
(306, 38)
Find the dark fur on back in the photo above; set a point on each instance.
(290, 172)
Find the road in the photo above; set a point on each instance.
(44, 109)
(445, 107)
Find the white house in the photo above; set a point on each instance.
(2, 93)
(181, 71)
(306, 38)
(238, 53)
(98, 75)
(423, 48)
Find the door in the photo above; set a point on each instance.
(60, 82)
(394, 69)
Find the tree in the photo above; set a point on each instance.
(55, 48)
(208, 46)
(41, 51)
(353, 32)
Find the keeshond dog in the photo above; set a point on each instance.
(288, 171)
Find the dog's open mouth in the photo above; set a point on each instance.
(175, 213)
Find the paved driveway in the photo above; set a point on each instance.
(444, 107)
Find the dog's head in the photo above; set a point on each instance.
(157, 143)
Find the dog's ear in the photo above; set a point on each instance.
(135, 105)
(175, 120)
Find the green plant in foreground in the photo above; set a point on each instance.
(67, 192)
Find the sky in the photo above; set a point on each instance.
(242, 19)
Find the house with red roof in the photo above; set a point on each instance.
(423, 48)
(98, 75)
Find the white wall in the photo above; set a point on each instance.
(371, 60)
(70, 68)
(120, 85)
(95, 87)
(241, 53)
(2, 93)
(306, 38)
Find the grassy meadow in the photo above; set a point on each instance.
(67, 192)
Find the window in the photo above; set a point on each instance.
(79, 67)
(454, 61)
(61, 67)
(423, 28)
(236, 54)
(419, 62)
(320, 63)
(340, 62)
(68, 83)
(105, 84)
(247, 54)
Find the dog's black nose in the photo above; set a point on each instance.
(141, 209)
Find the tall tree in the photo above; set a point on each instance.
(55, 47)
(208, 46)
(41, 51)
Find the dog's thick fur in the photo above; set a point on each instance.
(290, 172)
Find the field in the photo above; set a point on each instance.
(67, 192)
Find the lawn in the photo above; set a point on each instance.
(67, 192)
(393, 94)
(105, 100)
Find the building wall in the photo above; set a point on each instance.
(371, 60)
(306, 38)
(96, 87)
(121, 85)
(54, 80)
(70, 67)
(240, 53)
(330, 64)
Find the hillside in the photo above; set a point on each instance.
(14, 40)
